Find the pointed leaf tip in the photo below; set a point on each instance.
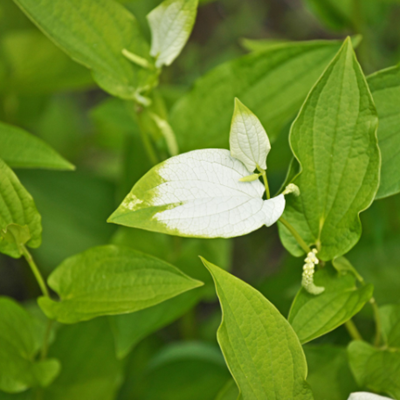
(248, 140)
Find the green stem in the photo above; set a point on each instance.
(378, 323)
(264, 176)
(35, 271)
(136, 114)
(146, 142)
(295, 234)
(352, 329)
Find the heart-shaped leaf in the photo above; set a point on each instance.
(199, 194)
(334, 139)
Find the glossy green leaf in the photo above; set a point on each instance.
(17, 208)
(313, 316)
(375, 369)
(20, 149)
(90, 369)
(329, 374)
(19, 346)
(171, 24)
(198, 194)
(94, 33)
(36, 66)
(385, 89)
(109, 280)
(390, 319)
(260, 347)
(334, 139)
(272, 83)
(130, 329)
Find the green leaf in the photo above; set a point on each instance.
(260, 347)
(109, 280)
(17, 208)
(20, 149)
(130, 329)
(19, 346)
(272, 83)
(94, 33)
(171, 24)
(90, 369)
(313, 316)
(248, 140)
(385, 88)
(182, 371)
(334, 140)
(36, 66)
(329, 374)
(390, 318)
(344, 266)
(185, 196)
(376, 369)
(260, 44)
(181, 252)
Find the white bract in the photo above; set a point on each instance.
(171, 24)
(199, 194)
(367, 396)
(248, 140)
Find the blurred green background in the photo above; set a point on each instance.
(44, 92)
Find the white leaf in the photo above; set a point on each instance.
(199, 194)
(248, 140)
(366, 396)
(171, 24)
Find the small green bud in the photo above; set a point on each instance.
(292, 188)
(249, 178)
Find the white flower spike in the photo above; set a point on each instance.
(367, 396)
(199, 194)
(308, 273)
(248, 140)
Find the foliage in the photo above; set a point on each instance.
(136, 136)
